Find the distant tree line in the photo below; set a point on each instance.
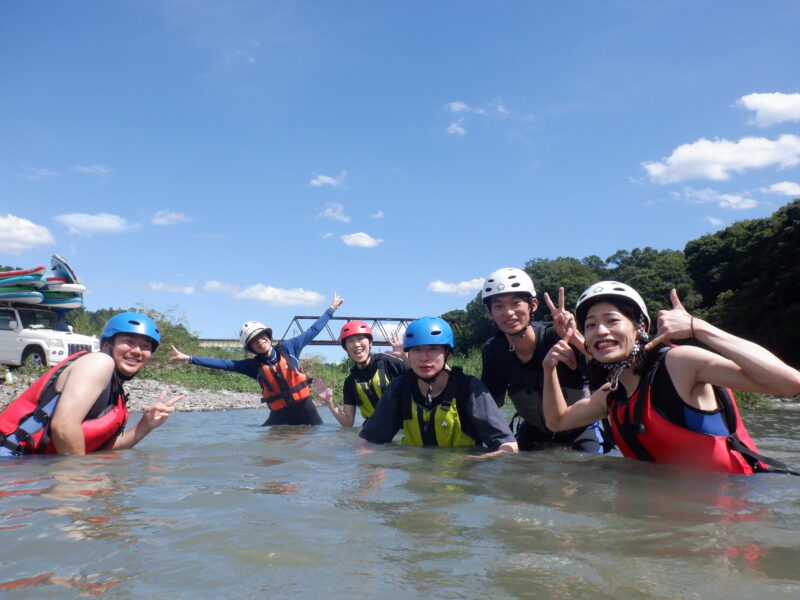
(744, 279)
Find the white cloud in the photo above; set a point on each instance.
(335, 212)
(325, 236)
(786, 188)
(715, 160)
(714, 222)
(377, 215)
(267, 294)
(172, 289)
(84, 224)
(279, 297)
(35, 174)
(463, 288)
(709, 196)
(92, 169)
(322, 180)
(457, 107)
(456, 129)
(166, 217)
(18, 235)
(361, 239)
(211, 236)
(772, 108)
(219, 287)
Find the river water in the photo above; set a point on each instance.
(212, 505)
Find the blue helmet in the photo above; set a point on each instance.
(428, 331)
(131, 322)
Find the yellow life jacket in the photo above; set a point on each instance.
(369, 392)
(439, 425)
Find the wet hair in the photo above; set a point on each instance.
(598, 373)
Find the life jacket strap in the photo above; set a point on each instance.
(15, 447)
(755, 459)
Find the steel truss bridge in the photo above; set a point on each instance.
(383, 328)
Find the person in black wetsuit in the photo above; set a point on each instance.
(512, 361)
(368, 377)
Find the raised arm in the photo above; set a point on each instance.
(558, 415)
(346, 415)
(739, 364)
(153, 417)
(296, 344)
(565, 326)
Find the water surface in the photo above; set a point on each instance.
(212, 505)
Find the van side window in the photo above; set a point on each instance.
(6, 316)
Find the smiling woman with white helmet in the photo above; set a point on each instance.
(512, 361)
(666, 404)
(277, 369)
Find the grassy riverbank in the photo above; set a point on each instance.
(191, 377)
(196, 378)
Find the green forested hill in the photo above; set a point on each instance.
(744, 278)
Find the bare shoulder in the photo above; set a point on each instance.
(95, 364)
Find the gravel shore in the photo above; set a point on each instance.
(142, 393)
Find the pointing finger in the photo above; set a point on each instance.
(656, 341)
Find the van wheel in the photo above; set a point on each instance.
(33, 357)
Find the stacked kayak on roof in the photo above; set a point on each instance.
(32, 286)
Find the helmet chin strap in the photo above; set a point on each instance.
(430, 381)
(519, 334)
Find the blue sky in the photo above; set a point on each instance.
(243, 159)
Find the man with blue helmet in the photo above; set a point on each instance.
(434, 404)
(79, 406)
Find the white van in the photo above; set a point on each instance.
(37, 336)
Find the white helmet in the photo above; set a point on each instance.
(508, 280)
(608, 289)
(250, 330)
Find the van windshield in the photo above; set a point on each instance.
(38, 319)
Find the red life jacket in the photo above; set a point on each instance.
(641, 432)
(282, 384)
(25, 423)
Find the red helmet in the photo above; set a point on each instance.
(352, 328)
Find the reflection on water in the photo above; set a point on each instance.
(215, 506)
